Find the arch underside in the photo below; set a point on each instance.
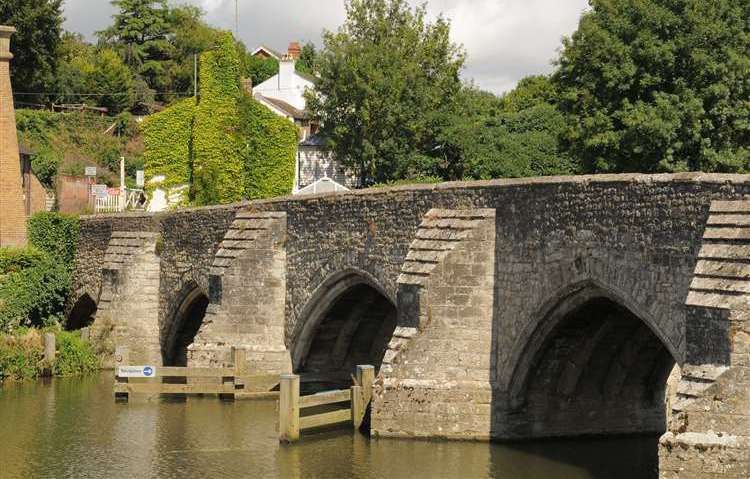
(187, 320)
(595, 368)
(351, 325)
(83, 313)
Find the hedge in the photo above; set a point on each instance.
(56, 234)
(217, 166)
(167, 137)
(33, 295)
(35, 281)
(270, 150)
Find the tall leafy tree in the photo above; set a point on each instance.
(383, 76)
(140, 34)
(659, 85)
(34, 46)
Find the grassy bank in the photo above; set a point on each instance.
(22, 355)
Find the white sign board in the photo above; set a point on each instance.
(136, 371)
(90, 171)
(140, 179)
(100, 191)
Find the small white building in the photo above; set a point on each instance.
(284, 94)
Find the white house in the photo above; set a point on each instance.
(283, 94)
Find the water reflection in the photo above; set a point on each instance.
(73, 428)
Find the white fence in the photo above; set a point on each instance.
(116, 203)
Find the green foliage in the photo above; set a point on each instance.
(307, 59)
(56, 234)
(167, 138)
(418, 180)
(112, 78)
(34, 46)
(21, 355)
(140, 35)
(35, 281)
(259, 69)
(217, 164)
(384, 76)
(73, 356)
(659, 85)
(66, 142)
(271, 146)
(33, 295)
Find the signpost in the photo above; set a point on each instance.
(140, 178)
(136, 371)
(99, 191)
(90, 171)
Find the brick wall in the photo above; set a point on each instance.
(12, 211)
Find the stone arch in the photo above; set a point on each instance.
(352, 306)
(83, 313)
(594, 363)
(184, 324)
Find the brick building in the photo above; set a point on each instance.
(12, 208)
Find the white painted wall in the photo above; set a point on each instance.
(288, 85)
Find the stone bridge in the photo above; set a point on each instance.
(504, 310)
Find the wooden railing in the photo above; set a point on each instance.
(228, 383)
(292, 406)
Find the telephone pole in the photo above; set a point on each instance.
(236, 20)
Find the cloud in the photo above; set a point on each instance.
(505, 39)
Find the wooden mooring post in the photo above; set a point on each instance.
(49, 348)
(291, 404)
(289, 408)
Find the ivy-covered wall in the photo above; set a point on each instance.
(167, 137)
(226, 146)
(269, 151)
(217, 165)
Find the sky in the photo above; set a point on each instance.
(505, 40)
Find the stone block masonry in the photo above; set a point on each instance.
(12, 210)
(524, 308)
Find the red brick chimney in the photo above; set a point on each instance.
(294, 51)
(12, 212)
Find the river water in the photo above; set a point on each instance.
(72, 428)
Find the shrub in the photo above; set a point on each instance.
(21, 355)
(56, 234)
(270, 149)
(33, 295)
(74, 355)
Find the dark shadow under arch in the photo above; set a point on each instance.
(349, 321)
(592, 366)
(83, 313)
(186, 322)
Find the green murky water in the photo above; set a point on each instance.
(72, 428)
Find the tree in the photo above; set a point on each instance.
(483, 136)
(112, 79)
(659, 85)
(140, 35)
(383, 77)
(307, 59)
(34, 46)
(259, 69)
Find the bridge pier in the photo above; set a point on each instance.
(128, 313)
(436, 374)
(709, 435)
(247, 296)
